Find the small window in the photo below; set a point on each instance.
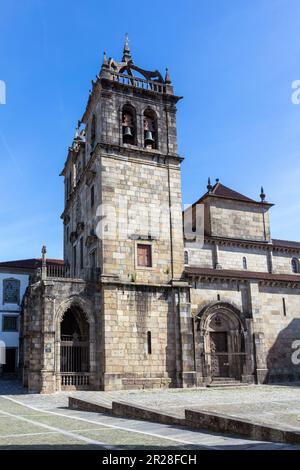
(74, 257)
(93, 263)
(9, 323)
(144, 255)
(92, 196)
(244, 262)
(81, 253)
(186, 257)
(149, 342)
(70, 183)
(93, 132)
(284, 306)
(11, 291)
(295, 265)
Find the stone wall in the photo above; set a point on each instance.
(136, 196)
(130, 314)
(281, 327)
(240, 220)
(230, 256)
(282, 261)
(275, 324)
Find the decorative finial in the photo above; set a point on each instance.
(167, 77)
(77, 131)
(104, 61)
(262, 195)
(217, 180)
(126, 51)
(44, 251)
(209, 185)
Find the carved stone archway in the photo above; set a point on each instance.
(75, 345)
(222, 344)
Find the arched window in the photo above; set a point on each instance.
(128, 125)
(93, 132)
(186, 257)
(244, 262)
(295, 265)
(150, 129)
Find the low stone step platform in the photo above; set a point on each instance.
(193, 418)
(128, 410)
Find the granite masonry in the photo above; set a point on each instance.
(138, 303)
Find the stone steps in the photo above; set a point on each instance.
(220, 382)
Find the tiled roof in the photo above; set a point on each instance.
(241, 274)
(221, 191)
(29, 264)
(286, 243)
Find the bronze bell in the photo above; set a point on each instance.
(128, 132)
(149, 138)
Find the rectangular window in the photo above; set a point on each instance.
(149, 342)
(92, 196)
(11, 291)
(9, 323)
(70, 183)
(284, 306)
(93, 259)
(74, 257)
(144, 255)
(81, 253)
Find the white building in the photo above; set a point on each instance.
(14, 279)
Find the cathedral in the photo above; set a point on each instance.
(149, 296)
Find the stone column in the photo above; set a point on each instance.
(258, 335)
(183, 307)
(48, 378)
(249, 367)
(216, 256)
(270, 259)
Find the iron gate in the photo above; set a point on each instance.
(74, 362)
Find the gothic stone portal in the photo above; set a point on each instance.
(222, 343)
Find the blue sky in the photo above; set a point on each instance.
(233, 61)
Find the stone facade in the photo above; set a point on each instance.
(137, 304)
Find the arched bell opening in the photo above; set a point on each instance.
(129, 125)
(150, 129)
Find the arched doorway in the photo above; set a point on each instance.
(223, 349)
(74, 349)
(225, 346)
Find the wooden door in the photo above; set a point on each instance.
(219, 354)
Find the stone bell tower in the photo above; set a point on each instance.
(131, 136)
(123, 216)
(131, 149)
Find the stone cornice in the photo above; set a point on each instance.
(139, 153)
(263, 245)
(236, 242)
(270, 279)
